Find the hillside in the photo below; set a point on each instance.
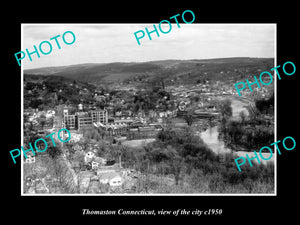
(172, 71)
(49, 91)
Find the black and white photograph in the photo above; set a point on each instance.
(129, 109)
(149, 113)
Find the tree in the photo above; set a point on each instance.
(242, 115)
(263, 105)
(35, 103)
(189, 118)
(175, 162)
(42, 120)
(67, 177)
(226, 109)
(79, 157)
(91, 134)
(54, 152)
(30, 132)
(196, 98)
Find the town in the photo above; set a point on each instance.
(112, 130)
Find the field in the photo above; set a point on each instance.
(137, 143)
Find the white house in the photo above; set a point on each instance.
(116, 181)
(49, 114)
(30, 159)
(76, 137)
(77, 147)
(113, 179)
(95, 165)
(89, 156)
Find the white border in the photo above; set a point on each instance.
(22, 113)
(217, 194)
(275, 109)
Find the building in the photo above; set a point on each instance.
(84, 122)
(113, 179)
(77, 147)
(30, 159)
(84, 119)
(95, 165)
(99, 116)
(76, 136)
(69, 120)
(89, 156)
(92, 117)
(65, 111)
(116, 181)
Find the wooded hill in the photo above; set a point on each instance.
(172, 71)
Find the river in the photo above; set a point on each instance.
(210, 136)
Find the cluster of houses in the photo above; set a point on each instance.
(107, 172)
(261, 93)
(34, 115)
(30, 159)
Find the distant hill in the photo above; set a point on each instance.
(172, 71)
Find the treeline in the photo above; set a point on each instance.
(245, 136)
(265, 105)
(252, 133)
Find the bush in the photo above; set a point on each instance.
(54, 152)
(216, 184)
(264, 105)
(232, 176)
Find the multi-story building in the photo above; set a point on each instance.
(69, 120)
(99, 116)
(84, 122)
(93, 117)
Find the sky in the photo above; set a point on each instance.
(106, 43)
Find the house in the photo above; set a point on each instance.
(161, 114)
(116, 181)
(89, 156)
(77, 147)
(159, 120)
(49, 114)
(127, 172)
(76, 137)
(113, 179)
(152, 113)
(126, 113)
(118, 113)
(95, 165)
(30, 159)
(101, 161)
